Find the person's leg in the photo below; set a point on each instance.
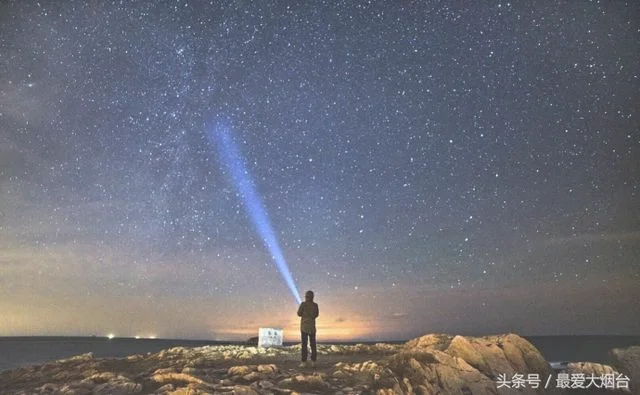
(314, 351)
(304, 346)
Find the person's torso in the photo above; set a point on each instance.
(308, 319)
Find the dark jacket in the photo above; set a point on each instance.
(308, 311)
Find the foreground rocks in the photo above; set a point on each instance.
(464, 365)
(432, 364)
(627, 361)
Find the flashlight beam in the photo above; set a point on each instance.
(231, 159)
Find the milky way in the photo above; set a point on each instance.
(428, 167)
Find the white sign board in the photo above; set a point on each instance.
(270, 337)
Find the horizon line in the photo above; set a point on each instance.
(329, 340)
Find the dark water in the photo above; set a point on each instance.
(581, 348)
(23, 351)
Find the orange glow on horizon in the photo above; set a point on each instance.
(333, 331)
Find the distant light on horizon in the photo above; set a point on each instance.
(111, 336)
(145, 337)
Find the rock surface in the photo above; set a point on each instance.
(627, 362)
(431, 364)
(465, 365)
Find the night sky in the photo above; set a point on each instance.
(458, 167)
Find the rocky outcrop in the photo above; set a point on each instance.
(589, 369)
(432, 364)
(627, 362)
(440, 363)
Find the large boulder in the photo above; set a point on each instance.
(504, 354)
(435, 372)
(627, 362)
(440, 363)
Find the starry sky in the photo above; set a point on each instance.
(457, 167)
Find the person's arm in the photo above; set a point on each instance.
(316, 312)
(300, 309)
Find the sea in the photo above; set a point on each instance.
(16, 352)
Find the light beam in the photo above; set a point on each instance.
(231, 158)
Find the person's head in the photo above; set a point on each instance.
(308, 296)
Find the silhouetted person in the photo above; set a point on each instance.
(308, 311)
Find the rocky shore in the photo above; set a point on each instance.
(431, 364)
